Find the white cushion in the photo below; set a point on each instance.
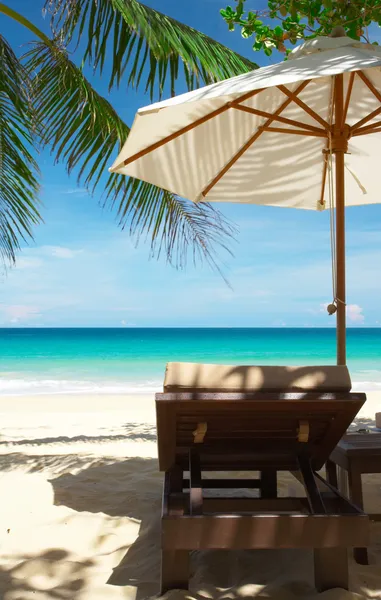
(183, 377)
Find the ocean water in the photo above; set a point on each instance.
(56, 361)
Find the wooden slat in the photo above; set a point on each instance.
(329, 415)
(282, 419)
(255, 505)
(218, 429)
(233, 432)
(233, 532)
(195, 490)
(226, 435)
(241, 461)
(334, 505)
(269, 398)
(247, 420)
(214, 484)
(271, 419)
(238, 445)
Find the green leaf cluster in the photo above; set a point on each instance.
(285, 22)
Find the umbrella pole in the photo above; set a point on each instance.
(340, 142)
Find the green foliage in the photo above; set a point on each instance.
(127, 35)
(18, 169)
(285, 22)
(45, 100)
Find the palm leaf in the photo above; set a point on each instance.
(152, 45)
(84, 131)
(18, 169)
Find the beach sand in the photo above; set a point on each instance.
(80, 497)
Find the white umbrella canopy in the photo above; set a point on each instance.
(272, 137)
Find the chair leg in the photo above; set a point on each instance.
(174, 563)
(355, 494)
(331, 472)
(331, 568)
(174, 570)
(269, 484)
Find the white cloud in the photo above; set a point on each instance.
(28, 263)
(127, 324)
(355, 313)
(78, 191)
(279, 323)
(16, 313)
(61, 252)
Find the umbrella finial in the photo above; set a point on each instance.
(338, 32)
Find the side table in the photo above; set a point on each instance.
(357, 454)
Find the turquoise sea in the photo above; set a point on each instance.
(54, 361)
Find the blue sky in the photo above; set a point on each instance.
(82, 270)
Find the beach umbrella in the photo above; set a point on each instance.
(304, 133)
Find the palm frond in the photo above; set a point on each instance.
(177, 226)
(84, 131)
(18, 169)
(126, 33)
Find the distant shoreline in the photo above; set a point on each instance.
(201, 327)
(108, 361)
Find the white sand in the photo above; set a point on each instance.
(80, 511)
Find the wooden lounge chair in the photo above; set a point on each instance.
(266, 419)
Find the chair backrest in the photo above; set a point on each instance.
(184, 377)
(252, 429)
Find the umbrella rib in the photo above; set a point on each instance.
(261, 113)
(304, 106)
(189, 127)
(251, 141)
(320, 133)
(369, 117)
(361, 132)
(231, 162)
(370, 85)
(367, 128)
(377, 94)
(348, 96)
